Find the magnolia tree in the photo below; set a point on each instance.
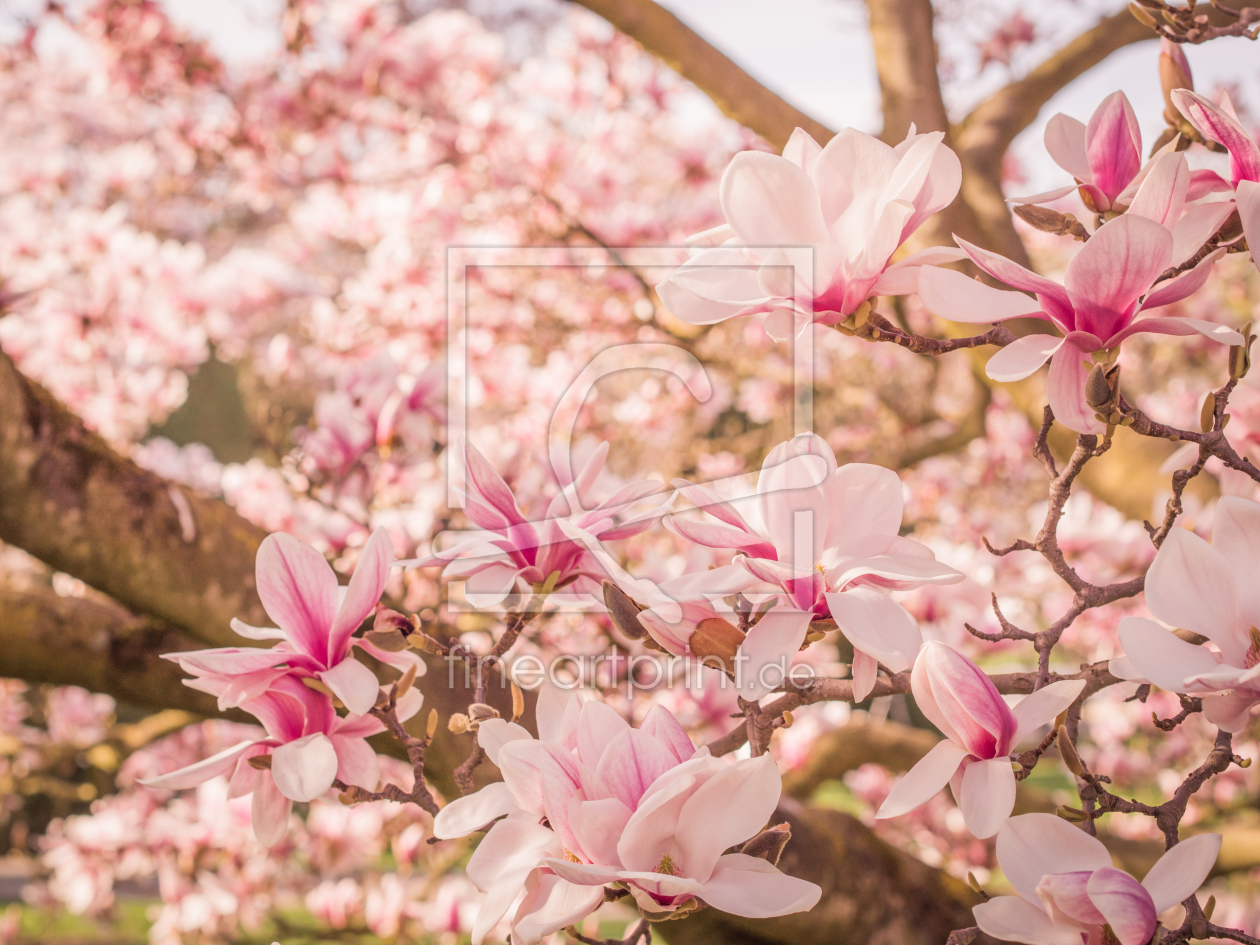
(621, 674)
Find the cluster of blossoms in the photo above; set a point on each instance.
(816, 554)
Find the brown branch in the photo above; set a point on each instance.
(739, 96)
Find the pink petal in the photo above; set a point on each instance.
(201, 771)
(365, 589)
(1230, 712)
(1213, 123)
(1065, 389)
(551, 904)
(1196, 226)
(500, 865)
(883, 239)
(661, 725)
(713, 535)
(865, 505)
(956, 692)
(902, 277)
(1236, 535)
(865, 672)
(588, 874)
(356, 762)
(598, 725)
(705, 499)
(489, 502)
(924, 781)
(749, 886)
(1022, 357)
(1044, 705)
(877, 626)
(1113, 270)
(269, 811)
(1213, 331)
(1065, 143)
(1184, 285)
(1066, 897)
(304, 769)
(354, 684)
(988, 796)
(894, 571)
(1051, 296)
(1191, 585)
(298, 591)
(1162, 658)
(231, 660)
(1204, 181)
(1126, 905)
(243, 629)
(1181, 871)
(802, 150)
(649, 833)
(1012, 919)
(562, 798)
(770, 201)
(1113, 142)
(493, 734)
(557, 714)
(521, 764)
(765, 657)
(1163, 193)
(631, 762)
(599, 825)
(464, 815)
(729, 808)
(939, 187)
(1248, 200)
(1032, 845)
(959, 298)
(850, 175)
(792, 501)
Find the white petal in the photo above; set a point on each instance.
(1181, 871)
(465, 814)
(354, 684)
(1032, 845)
(877, 625)
(988, 796)
(1044, 705)
(1163, 658)
(1022, 357)
(1012, 919)
(304, 769)
(924, 781)
(1191, 585)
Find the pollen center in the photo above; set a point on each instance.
(666, 866)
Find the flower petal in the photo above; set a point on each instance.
(1065, 143)
(1125, 904)
(493, 734)
(463, 815)
(751, 887)
(1163, 193)
(304, 769)
(631, 762)
(354, 684)
(1248, 199)
(1044, 705)
(269, 811)
(1113, 270)
(1012, 919)
(201, 771)
(1231, 711)
(1031, 845)
(764, 659)
(1065, 389)
(500, 865)
(1191, 585)
(924, 781)
(598, 725)
(876, 625)
(1022, 357)
(770, 201)
(958, 298)
(1216, 124)
(1113, 142)
(365, 589)
(661, 725)
(988, 796)
(1184, 285)
(298, 591)
(1181, 871)
(1162, 657)
(551, 904)
(728, 808)
(1236, 535)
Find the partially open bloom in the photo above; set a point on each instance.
(641, 807)
(1070, 894)
(838, 212)
(826, 536)
(1113, 279)
(316, 621)
(1209, 589)
(1221, 125)
(513, 550)
(307, 747)
(980, 731)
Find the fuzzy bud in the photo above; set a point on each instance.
(1141, 15)
(1207, 416)
(1209, 908)
(518, 702)
(1174, 70)
(1067, 751)
(479, 712)
(432, 725)
(458, 723)
(1240, 355)
(715, 638)
(623, 612)
(768, 845)
(1097, 390)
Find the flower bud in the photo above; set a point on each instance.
(1209, 908)
(715, 638)
(1072, 814)
(457, 724)
(1207, 415)
(479, 712)
(518, 702)
(1174, 70)
(1240, 355)
(432, 725)
(1097, 390)
(768, 845)
(623, 612)
(1141, 15)
(261, 762)
(1067, 751)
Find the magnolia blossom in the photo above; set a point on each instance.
(308, 746)
(980, 732)
(1112, 280)
(1209, 589)
(542, 553)
(640, 807)
(1221, 125)
(837, 213)
(1070, 894)
(316, 618)
(827, 537)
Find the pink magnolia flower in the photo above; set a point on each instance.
(1221, 125)
(839, 212)
(316, 620)
(1210, 589)
(980, 732)
(513, 550)
(826, 536)
(1108, 284)
(1070, 894)
(309, 747)
(641, 807)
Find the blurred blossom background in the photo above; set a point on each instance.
(223, 235)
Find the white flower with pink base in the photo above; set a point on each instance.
(980, 731)
(1070, 894)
